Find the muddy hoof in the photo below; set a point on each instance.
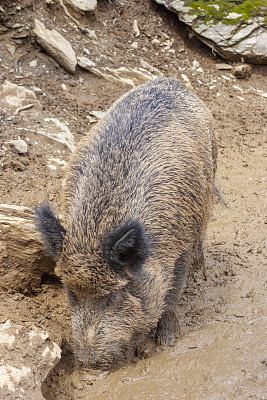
(168, 329)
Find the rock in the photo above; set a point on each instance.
(54, 162)
(19, 145)
(27, 357)
(234, 37)
(223, 66)
(242, 71)
(187, 81)
(126, 76)
(150, 68)
(134, 45)
(56, 45)
(98, 114)
(83, 5)
(11, 48)
(85, 63)
(57, 131)
(136, 28)
(23, 261)
(18, 98)
(33, 63)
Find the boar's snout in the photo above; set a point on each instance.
(104, 331)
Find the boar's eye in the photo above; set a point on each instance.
(127, 247)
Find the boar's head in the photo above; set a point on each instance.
(106, 285)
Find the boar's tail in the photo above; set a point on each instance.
(217, 192)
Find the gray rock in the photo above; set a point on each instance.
(244, 40)
(98, 114)
(223, 66)
(58, 131)
(56, 45)
(83, 5)
(27, 357)
(19, 98)
(85, 63)
(242, 71)
(126, 76)
(19, 145)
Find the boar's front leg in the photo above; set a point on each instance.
(168, 328)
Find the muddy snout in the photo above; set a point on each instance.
(103, 334)
(96, 352)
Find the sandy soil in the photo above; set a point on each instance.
(222, 350)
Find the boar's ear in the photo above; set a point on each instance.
(52, 232)
(127, 247)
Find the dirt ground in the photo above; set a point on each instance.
(221, 353)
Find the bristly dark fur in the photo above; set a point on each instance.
(52, 232)
(127, 245)
(138, 197)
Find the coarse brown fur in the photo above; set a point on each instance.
(138, 197)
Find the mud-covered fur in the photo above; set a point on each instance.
(138, 196)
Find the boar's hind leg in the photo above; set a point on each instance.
(168, 328)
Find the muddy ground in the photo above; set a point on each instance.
(221, 353)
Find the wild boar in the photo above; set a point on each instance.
(138, 197)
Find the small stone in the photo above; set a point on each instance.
(233, 15)
(98, 114)
(91, 120)
(150, 68)
(83, 5)
(136, 28)
(85, 63)
(19, 145)
(11, 49)
(155, 41)
(226, 78)
(195, 65)
(223, 66)
(33, 63)
(242, 71)
(134, 45)
(238, 88)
